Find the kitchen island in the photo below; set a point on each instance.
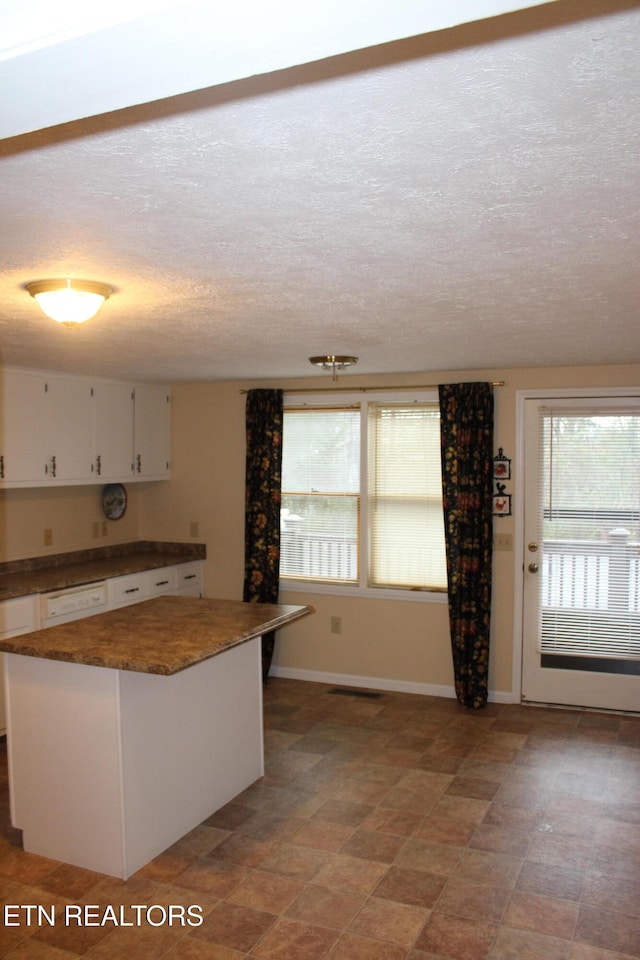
(128, 729)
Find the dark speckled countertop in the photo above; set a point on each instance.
(159, 636)
(20, 578)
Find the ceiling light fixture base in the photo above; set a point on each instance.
(333, 362)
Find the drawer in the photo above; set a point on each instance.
(161, 581)
(126, 590)
(189, 579)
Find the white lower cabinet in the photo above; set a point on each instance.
(189, 579)
(122, 591)
(138, 760)
(22, 614)
(184, 579)
(160, 582)
(16, 616)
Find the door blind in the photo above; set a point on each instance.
(589, 533)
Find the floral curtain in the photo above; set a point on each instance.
(466, 432)
(262, 505)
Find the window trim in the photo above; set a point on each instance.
(342, 399)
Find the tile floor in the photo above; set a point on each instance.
(398, 828)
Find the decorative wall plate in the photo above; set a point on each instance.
(114, 501)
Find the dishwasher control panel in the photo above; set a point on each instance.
(71, 604)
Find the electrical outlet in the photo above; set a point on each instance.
(194, 529)
(503, 541)
(48, 537)
(95, 529)
(336, 624)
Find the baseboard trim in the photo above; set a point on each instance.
(379, 683)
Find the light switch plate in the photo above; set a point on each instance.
(503, 541)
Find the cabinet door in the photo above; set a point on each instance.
(23, 428)
(16, 616)
(70, 419)
(114, 453)
(151, 432)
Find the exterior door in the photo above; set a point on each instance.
(581, 630)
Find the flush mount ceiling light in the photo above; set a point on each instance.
(69, 301)
(334, 363)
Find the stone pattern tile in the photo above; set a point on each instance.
(400, 828)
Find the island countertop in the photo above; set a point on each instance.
(159, 636)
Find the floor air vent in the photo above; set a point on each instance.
(348, 692)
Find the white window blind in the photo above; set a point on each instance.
(589, 520)
(320, 494)
(405, 497)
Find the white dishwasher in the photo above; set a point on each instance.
(73, 603)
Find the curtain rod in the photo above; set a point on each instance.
(412, 386)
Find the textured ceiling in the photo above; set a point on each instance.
(464, 199)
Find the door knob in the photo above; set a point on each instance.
(533, 567)
(532, 546)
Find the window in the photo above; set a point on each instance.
(362, 494)
(406, 524)
(320, 495)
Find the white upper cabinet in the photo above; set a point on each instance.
(23, 427)
(151, 432)
(57, 429)
(70, 430)
(114, 452)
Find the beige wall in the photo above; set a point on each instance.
(70, 514)
(405, 641)
(402, 641)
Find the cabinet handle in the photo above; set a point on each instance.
(161, 583)
(99, 465)
(1, 467)
(139, 463)
(53, 466)
(189, 576)
(132, 590)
